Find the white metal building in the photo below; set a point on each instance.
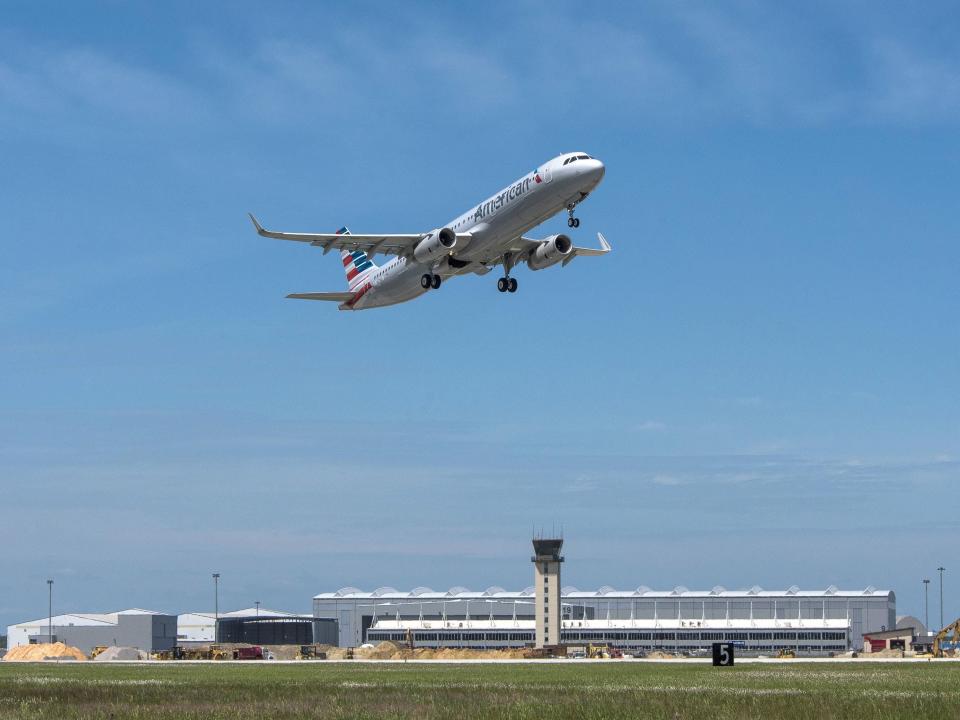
(144, 629)
(813, 621)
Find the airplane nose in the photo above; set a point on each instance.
(594, 169)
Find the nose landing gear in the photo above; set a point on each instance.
(572, 221)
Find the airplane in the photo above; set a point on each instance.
(489, 234)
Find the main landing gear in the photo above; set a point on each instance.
(428, 281)
(507, 283)
(572, 221)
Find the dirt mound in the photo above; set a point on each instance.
(657, 655)
(884, 654)
(283, 652)
(112, 654)
(459, 654)
(43, 651)
(391, 651)
(383, 651)
(337, 653)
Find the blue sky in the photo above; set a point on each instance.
(759, 386)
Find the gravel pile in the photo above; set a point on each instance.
(121, 653)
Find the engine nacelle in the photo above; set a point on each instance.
(435, 245)
(551, 251)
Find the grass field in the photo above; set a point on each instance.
(588, 690)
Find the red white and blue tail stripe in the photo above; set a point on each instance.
(356, 264)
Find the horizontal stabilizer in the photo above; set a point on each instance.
(330, 296)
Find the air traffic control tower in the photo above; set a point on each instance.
(546, 562)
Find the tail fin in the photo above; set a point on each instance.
(356, 264)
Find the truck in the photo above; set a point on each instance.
(254, 652)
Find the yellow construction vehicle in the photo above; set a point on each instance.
(97, 650)
(218, 653)
(950, 635)
(786, 653)
(597, 651)
(311, 652)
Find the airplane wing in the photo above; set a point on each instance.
(523, 246)
(589, 252)
(331, 296)
(372, 244)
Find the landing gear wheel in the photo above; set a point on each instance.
(503, 284)
(435, 282)
(512, 285)
(425, 281)
(570, 222)
(576, 222)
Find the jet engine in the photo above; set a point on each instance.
(435, 245)
(551, 251)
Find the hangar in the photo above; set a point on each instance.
(256, 625)
(144, 629)
(811, 621)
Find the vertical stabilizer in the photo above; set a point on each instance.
(356, 265)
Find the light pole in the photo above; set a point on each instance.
(257, 603)
(940, 570)
(216, 604)
(926, 603)
(49, 611)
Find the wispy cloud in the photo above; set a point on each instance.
(582, 484)
(908, 84)
(694, 62)
(53, 81)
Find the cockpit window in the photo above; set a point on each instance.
(582, 157)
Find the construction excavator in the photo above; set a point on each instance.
(949, 636)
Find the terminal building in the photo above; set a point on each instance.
(812, 621)
(678, 620)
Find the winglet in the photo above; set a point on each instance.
(603, 250)
(258, 226)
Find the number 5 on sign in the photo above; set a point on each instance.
(722, 654)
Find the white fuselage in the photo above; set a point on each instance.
(492, 225)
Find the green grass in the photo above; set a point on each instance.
(569, 690)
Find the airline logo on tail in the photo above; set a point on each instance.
(356, 264)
